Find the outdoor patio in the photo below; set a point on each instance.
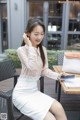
(71, 103)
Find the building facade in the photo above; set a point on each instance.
(61, 19)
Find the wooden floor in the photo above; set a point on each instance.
(71, 103)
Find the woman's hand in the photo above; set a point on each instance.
(26, 40)
(62, 74)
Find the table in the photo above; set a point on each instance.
(67, 90)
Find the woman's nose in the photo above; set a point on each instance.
(39, 37)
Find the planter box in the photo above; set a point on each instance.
(52, 57)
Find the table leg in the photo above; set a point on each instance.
(59, 91)
(56, 86)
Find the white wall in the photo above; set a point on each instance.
(16, 22)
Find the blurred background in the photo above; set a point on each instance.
(61, 18)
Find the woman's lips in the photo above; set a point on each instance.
(38, 41)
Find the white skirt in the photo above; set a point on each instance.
(29, 100)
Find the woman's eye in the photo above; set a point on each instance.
(42, 34)
(36, 34)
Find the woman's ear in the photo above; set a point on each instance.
(28, 34)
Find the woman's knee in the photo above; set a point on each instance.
(49, 116)
(56, 108)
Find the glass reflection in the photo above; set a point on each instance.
(55, 16)
(74, 16)
(4, 10)
(54, 41)
(36, 9)
(73, 42)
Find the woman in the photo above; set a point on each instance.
(33, 56)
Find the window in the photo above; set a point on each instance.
(36, 9)
(4, 34)
(74, 16)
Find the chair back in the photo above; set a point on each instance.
(7, 69)
(60, 57)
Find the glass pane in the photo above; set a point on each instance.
(4, 36)
(55, 16)
(4, 30)
(54, 41)
(74, 16)
(73, 42)
(4, 25)
(4, 10)
(36, 9)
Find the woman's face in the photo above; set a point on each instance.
(37, 35)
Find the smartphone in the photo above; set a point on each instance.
(67, 76)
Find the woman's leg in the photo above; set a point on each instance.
(49, 116)
(58, 111)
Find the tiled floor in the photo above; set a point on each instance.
(71, 103)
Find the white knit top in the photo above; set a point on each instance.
(32, 64)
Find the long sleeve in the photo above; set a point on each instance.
(28, 57)
(46, 71)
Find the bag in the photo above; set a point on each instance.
(71, 62)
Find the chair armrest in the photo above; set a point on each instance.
(6, 95)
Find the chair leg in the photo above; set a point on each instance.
(56, 86)
(59, 91)
(9, 109)
(2, 102)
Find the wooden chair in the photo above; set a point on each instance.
(60, 57)
(7, 71)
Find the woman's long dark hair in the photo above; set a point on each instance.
(30, 26)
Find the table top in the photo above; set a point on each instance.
(67, 90)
